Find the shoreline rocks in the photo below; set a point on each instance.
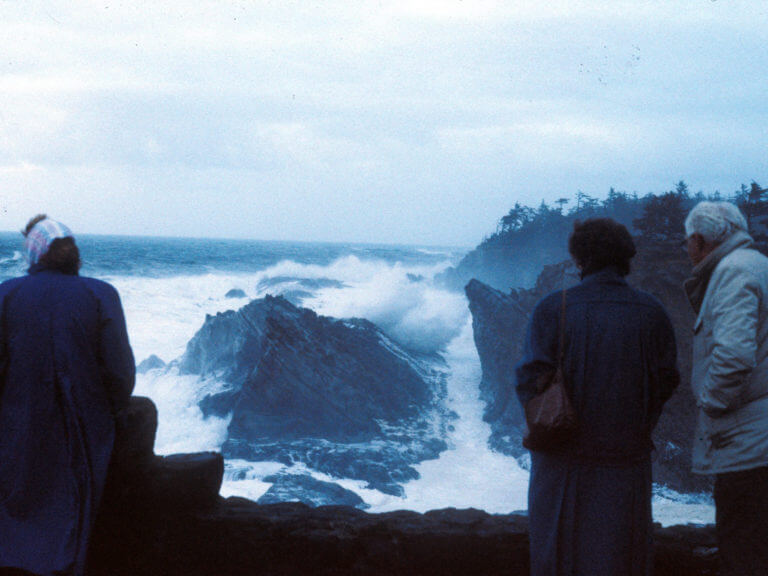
(337, 395)
(145, 529)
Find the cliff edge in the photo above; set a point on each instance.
(163, 515)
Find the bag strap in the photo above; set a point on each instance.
(561, 343)
(544, 382)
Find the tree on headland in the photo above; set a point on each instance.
(753, 202)
(615, 198)
(543, 213)
(529, 237)
(561, 202)
(586, 204)
(657, 217)
(663, 217)
(517, 217)
(621, 206)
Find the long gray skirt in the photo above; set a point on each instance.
(588, 520)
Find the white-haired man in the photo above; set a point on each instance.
(729, 293)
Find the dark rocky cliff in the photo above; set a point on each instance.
(513, 256)
(506, 265)
(500, 320)
(163, 516)
(338, 395)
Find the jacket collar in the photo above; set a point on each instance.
(609, 275)
(38, 268)
(35, 268)
(696, 285)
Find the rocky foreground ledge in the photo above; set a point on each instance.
(163, 516)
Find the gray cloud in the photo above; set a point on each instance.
(364, 121)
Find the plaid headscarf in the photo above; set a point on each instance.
(39, 239)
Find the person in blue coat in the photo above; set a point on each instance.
(589, 499)
(66, 368)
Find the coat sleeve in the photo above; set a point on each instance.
(118, 368)
(3, 346)
(667, 375)
(735, 308)
(540, 351)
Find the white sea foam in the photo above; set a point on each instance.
(15, 257)
(245, 479)
(469, 474)
(402, 301)
(670, 507)
(433, 252)
(181, 425)
(164, 313)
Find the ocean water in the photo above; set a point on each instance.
(169, 285)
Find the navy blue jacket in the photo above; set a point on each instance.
(65, 368)
(619, 364)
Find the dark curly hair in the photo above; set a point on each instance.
(599, 243)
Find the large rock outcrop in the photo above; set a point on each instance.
(338, 395)
(500, 320)
(164, 516)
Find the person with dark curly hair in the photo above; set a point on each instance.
(66, 369)
(589, 498)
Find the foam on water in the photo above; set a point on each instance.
(402, 301)
(244, 479)
(469, 474)
(14, 258)
(181, 425)
(670, 507)
(163, 313)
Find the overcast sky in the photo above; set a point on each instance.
(400, 122)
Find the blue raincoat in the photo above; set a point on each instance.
(65, 369)
(589, 502)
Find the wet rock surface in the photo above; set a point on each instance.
(306, 489)
(235, 293)
(337, 395)
(152, 362)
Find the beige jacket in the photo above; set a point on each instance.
(730, 366)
